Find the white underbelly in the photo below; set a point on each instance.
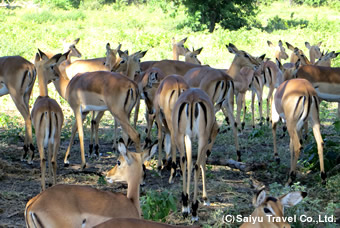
(87, 108)
(3, 89)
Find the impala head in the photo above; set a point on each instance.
(45, 65)
(244, 59)
(129, 64)
(289, 70)
(191, 56)
(314, 51)
(179, 46)
(302, 57)
(152, 77)
(111, 56)
(57, 67)
(280, 51)
(325, 59)
(293, 56)
(129, 167)
(267, 208)
(72, 48)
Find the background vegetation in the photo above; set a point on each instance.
(150, 25)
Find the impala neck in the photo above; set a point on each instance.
(234, 69)
(133, 193)
(61, 85)
(42, 83)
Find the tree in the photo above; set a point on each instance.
(231, 14)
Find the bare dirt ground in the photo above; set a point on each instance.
(229, 190)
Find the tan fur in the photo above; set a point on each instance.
(47, 118)
(132, 223)
(178, 48)
(166, 96)
(191, 56)
(314, 51)
(193, 116)
(279, 50)
(296, 101)
(273, 207)
(18, 76)
(84, 206)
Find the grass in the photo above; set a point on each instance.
(151, 28)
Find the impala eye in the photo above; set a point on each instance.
(266, 210)
(118, 163)
(123, 61)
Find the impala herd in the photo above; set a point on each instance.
(182, 98)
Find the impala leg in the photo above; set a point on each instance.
(49, 159)
(150, 119)
(54, 156)
(295, 148)
(275, 120)
(173, 156)
(238, 108)
(188, 151)
(96, 129)
(160, 142)
(269, 102)
(114, 146)
(28, 143)
(123, 119)
(253, 108)
(93, 124)
(318, 138)
(135, 117)
(42, 162)
(259, 99)
(79, 121)
(243, 105)
(229, 107)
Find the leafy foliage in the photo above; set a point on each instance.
(232, 15)
(157, 205)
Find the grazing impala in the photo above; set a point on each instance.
(280, 51)
(17, 77)
(166, 96)
(178, 48)
(83, 206)
(269, 211)
(193, 116)
(296, 101)
(314, 51)
(47, 118)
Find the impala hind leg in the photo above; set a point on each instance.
(315, 122)
(295, 148)
(96, 117)
(188, 152)
(42, 163)
(183, 164)
(275, 120)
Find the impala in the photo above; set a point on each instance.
(270, 75)
(47, 118)
(193, 116)
(178, 48)
(98, 91)
(133, 222)
(90, 65)
(191, 56)
(293, 57)
(296, 101)
(166, 96)
(269, 211)
(314, 51)
(17, 77)
(280, 51)
(325, 60)
(84, 206)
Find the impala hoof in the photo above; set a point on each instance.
(194, 218)
(277, 160)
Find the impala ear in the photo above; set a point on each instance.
(123, 151)
(43, 56)
(37, 58)
(307, 45)
(148, 153)
(289, 46)
(119, 47)
(280, 43)
(75, 41)
(183, 40)
(108, 47)
(198, 51)
(319, 44)
(270, 44)
(292, 198)
(142, 54)
(259, 198)
(262, 57)
(231, 48)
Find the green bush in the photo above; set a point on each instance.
(157, 205)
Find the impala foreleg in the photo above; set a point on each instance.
(269, 102)
(295, 148)
(79, 121)
(173, 156)
(275, 120)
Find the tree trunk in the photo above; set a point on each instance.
(212, 22)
